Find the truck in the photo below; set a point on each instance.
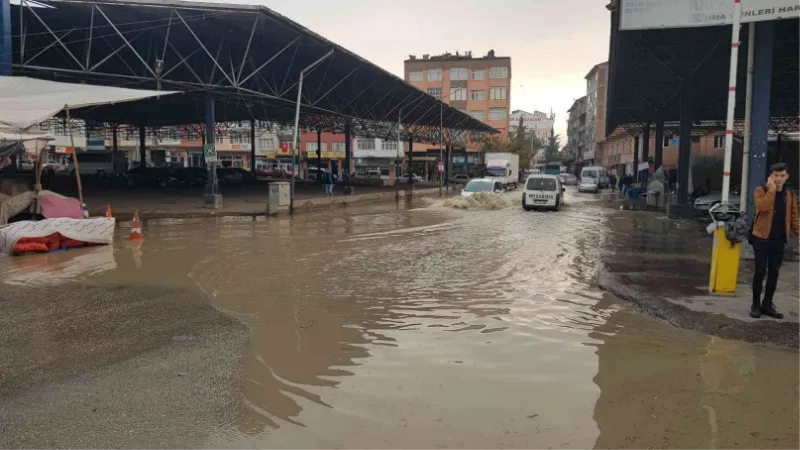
(503, 167)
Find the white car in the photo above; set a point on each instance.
(543, 191)
(486, 185)
(569, 179)
(589, 185)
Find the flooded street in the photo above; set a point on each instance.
(430, 326)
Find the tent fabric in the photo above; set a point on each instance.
(25, 102)
(96, 230)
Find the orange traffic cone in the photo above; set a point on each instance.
(136, 227)
(108, 211)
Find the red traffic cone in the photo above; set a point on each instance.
(136, 227)
(108, 211)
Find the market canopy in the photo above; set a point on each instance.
(26, 102)
(650, 62)
(248, 56)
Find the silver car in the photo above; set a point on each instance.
(589, 185)
(704, 203)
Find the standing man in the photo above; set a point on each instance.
(776, 216)
(329, 182)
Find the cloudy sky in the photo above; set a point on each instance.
(552, 43)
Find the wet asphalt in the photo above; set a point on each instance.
(433, 324)
(114, 366)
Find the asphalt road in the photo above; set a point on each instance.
(122, 366)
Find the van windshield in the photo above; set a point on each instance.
(541, 184)
(589, 174)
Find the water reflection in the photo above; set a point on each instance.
(387, 327)
(662, 387)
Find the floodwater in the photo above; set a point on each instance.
(431, 326)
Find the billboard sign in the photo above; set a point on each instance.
(649, 14)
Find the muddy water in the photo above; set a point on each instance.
(432, 326)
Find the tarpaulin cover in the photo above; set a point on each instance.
(96, 230)
(25, 102)
(56, 205)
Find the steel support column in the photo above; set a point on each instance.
(659, 143)
(762, 83)
(114, 143)
(685, 144)
(646, 150)
(319, 157)
(5, 37)
(142, 147)
(348, 162)
(636, 158)
(213, 197)
(253, 146)
(410, 163)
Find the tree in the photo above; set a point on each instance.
(551, 150)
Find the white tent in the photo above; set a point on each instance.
(26, 102)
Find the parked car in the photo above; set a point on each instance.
(543, 191)
(568, 179)
(704, 203)
(151, 176)
(229, 175)
(414, 177)
(191, 176)
(588, 184)
(459, 179)
(487, 185)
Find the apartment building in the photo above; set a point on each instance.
(537, 124)
(596, 94)
(478, 86)
(576, 134)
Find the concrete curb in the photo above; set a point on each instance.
(301, 206)
(766, 332)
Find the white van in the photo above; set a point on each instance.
(99, 164)
(543, 191)
(597, 173)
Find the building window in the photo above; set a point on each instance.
(218, 138)
(719, 142)
(695, 139)
(458, 74)
(435, 92)
(498, 114)
(479, 74)
(266, 143)
(240, 138)
(498, 72)
(311, 147)
(458, 94)
(476, 115)
(479, 95)
(339, 147)
(388, 145)
(434, 74)
(415, 75)
(498, 93)
(667, 141)
(365, 144)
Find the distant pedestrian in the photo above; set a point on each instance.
(329, 182)
(776, 216)
(612, 180)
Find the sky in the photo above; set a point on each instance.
(552, 43)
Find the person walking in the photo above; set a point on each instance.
(612, 180)
(776, 216)
(329, 183)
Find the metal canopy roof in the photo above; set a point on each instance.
(647, 68)
(250, 57)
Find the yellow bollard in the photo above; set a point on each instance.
(724, 264)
